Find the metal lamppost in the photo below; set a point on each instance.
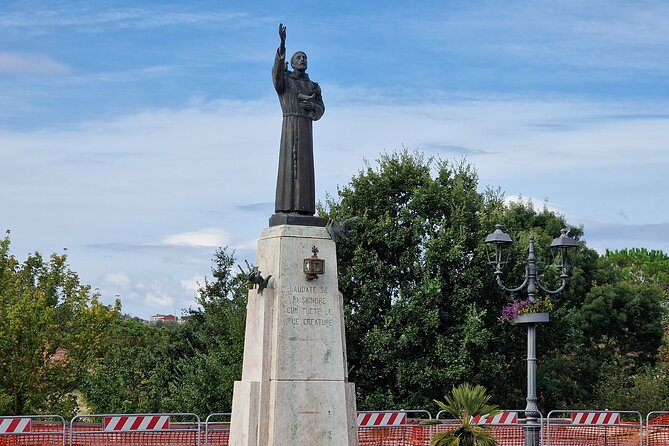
(531, 282)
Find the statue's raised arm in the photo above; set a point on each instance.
(282, 36)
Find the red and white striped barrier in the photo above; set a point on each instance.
(136, 423)
(15, 425)
(589, 418)
(500, 418)
(381, 419)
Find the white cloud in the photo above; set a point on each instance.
(209, 160)
(248, 245)
(118, 279)
(537, 204)
(92, 19)
(24, 63)
(212, 237)
(193, 284)
(191, 287)
(159, 301)
(132, 180)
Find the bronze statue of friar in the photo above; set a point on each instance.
(301, 104)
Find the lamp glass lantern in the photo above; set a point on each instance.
(500, 239)
(562, 244)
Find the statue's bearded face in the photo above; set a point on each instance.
(299, 61)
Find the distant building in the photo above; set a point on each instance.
(166, 318)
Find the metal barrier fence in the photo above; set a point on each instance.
(388, 428)
(169, 429)
(657, 428)
(375, 428)
(508, 427)
(594, 427)
(217, 429)
(33, 429)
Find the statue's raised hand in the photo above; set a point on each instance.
(282, 34)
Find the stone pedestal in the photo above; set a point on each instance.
(294, 389)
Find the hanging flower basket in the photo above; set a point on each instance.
(526, 311)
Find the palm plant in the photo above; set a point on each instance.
(463, 403)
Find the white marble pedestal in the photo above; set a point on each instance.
(294, 389)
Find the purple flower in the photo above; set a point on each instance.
(515, 308)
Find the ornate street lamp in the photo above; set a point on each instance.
(562, 243)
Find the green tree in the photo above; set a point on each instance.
(422, 305)
(625, 386)
(189, 367)
(630, 306)
(639, 266)
(618, 319)
(209, 346)
(420, 302)
(51, 326)
(132, 374)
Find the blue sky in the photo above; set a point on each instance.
(141, 135)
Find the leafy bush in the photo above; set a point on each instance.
(464, 403)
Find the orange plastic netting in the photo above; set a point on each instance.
(657, 432)
(406, 435)
(618, 435)
(42, 434)
(137, 439)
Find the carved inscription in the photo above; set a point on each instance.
(308, 306)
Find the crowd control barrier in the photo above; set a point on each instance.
(33, 429)
(375, 428)
(381, 428)
(657, 428)
(594, 427)
(388, 428)
(508, 427)
(217, 429)
(181, 429)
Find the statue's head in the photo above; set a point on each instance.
(299, 61)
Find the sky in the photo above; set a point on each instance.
(141, 135)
